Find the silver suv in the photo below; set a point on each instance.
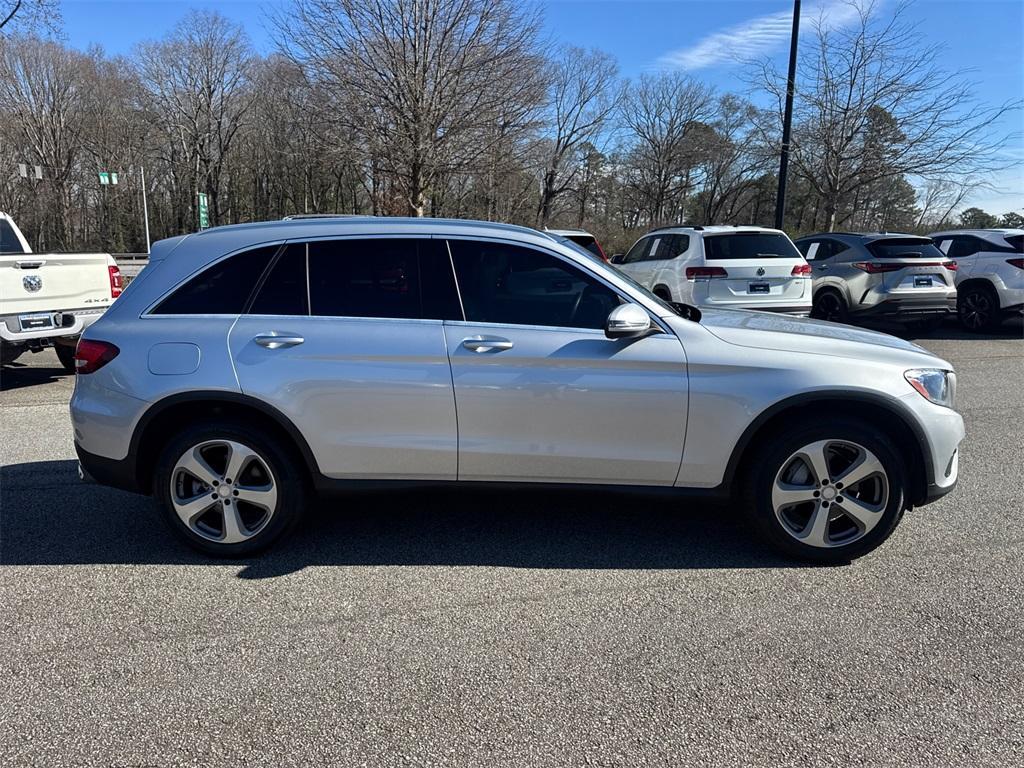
(886, 276)
(248, 366)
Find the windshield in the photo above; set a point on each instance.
(749, 245)
(905, 248)
(670, 306)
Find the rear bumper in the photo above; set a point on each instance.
(117, 473)
(909, 308)
(72, 323)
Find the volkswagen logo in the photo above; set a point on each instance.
(32, 283)
(760, 271)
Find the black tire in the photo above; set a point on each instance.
(829, 305)
(977, 306)
(768, 461)
(286, 472)
(66, 355)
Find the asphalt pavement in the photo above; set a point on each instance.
(510, 629)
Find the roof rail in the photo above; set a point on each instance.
(697, 227)
(296, 216)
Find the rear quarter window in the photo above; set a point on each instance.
(9, 242)
(220, 289)
(1016, 242)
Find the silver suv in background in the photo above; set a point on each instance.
(990, 280)
(897, 277)
(722, 267)
(250, 365)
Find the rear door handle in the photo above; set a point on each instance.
(486, 343)
(274, 340)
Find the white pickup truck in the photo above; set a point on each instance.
(50, 298)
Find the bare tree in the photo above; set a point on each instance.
(423, 77)
(29, 15)
(198, 83)
(581, 98)
(873, 103)
(662, 113)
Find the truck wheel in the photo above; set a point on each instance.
(828, 492)
(229, 490)
(10, 352)
(66, 355)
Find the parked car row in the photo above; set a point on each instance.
(837, 276)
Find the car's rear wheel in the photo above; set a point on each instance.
(829, 305)
(978, 308)
(827, 493)
(229, 490)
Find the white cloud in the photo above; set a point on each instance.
(756, 37)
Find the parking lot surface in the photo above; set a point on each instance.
(510, 629)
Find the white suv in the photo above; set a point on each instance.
(990, 274)
(722, 267)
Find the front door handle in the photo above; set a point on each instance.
(486, 343)
(274, 340)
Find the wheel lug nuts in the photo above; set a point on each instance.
(817, 494)
(839, 499)
(235, 493)
(824, 503)
(838, 486)
(227, 502)
(213, 495)
(228, 481)
(216, 483)
(824, 482)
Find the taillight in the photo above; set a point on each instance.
(116, 282)
(952, 266)
(705, 273)
(90, 356)
(873, 268)
(801, 269)
(1018, 263)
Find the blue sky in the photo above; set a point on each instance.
(980, 36)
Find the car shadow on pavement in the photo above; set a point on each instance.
(47, 517)
(16, 376)
(951, 331)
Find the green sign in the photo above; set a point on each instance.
(204, 211)
(104, 177)
(113, 177)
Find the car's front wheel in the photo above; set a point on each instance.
(828, 492)
(229, 490)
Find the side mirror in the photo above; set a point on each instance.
(627, 321)
(617, 258)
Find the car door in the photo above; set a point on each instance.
(542, 394)
(345, 338)
(635, 263)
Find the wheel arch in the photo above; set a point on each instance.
(168, 415)
(979, 282)
(880, 412)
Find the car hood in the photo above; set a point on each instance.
(764, 330)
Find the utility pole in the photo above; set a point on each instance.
(787, 121)
(145, 208)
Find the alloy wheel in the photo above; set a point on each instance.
(829, 307)
(976, 309)
(223, 491)
(830, 493)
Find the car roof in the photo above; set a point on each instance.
(1001, 231)
(862, 237)
(713, 229)
(568, 232)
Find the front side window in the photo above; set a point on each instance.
(638, 251)
(513, 285)
(749, 245)
(221, 289)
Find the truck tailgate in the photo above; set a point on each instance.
(41, 282)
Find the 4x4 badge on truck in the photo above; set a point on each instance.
(32, 283)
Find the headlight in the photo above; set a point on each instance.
(933, 384)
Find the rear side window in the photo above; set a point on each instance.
(962, 246)
(221, 289)
(671, 247)
(638, 251)
(905, 248)
(749, 245)
(364, 278)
